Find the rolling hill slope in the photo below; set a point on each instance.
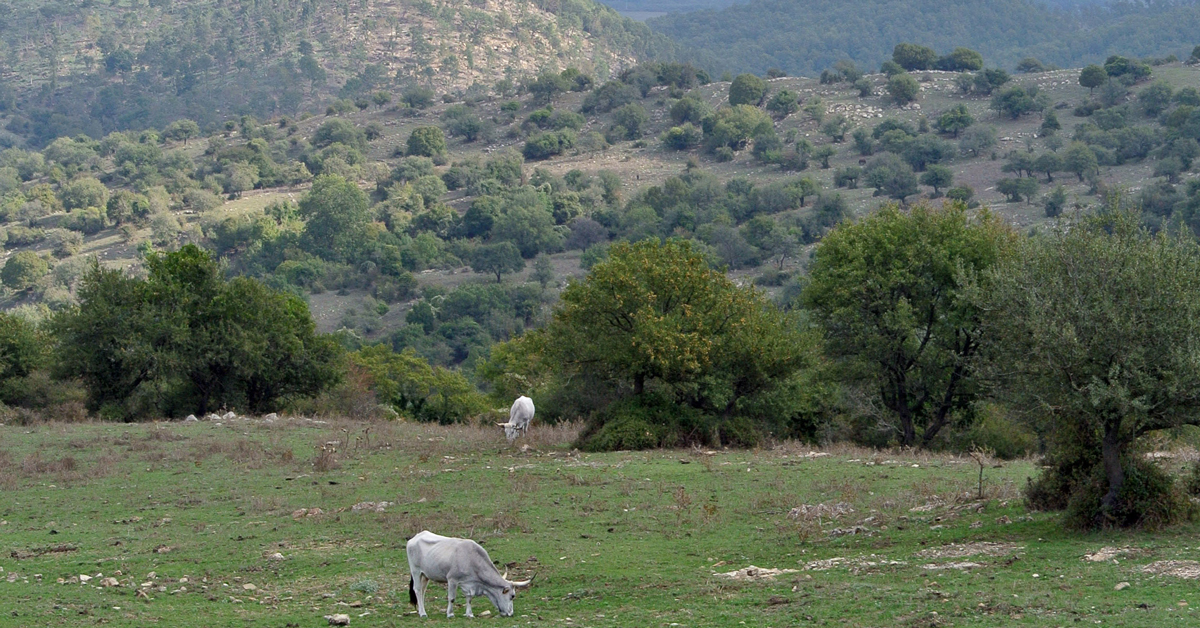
(808, 37)
(70, 67)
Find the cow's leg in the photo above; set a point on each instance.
(451, 585)
(422, 583)
(469, 613)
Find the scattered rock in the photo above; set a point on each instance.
(83, 578)
(163, 549)
(1105, 554)
(776, 600)
(1004, 520)
(249, 587)
(141, 594)
(211, 417)
(307, 512)
(820, 511)
(271, 417)
(275, 556)
(190, 418)
(340, 619)
(110, 582)
(1186, 569)
(1121, 586)
(848, 531)
(229, 416)
(961, 550)
(754, 573)
(371, 506)
(960, 566)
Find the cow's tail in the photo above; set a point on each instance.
(412, 593)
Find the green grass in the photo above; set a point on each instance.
(619, 539)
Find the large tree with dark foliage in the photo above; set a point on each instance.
(186, 340)
(1095, 326)
(889, 292)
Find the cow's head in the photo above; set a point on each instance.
(510, 430)
(504, 596)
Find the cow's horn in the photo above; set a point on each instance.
(509, 424)
(524, 584)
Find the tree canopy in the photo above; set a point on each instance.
(1095, 326)
(655, 321)
(889, 293)
(186, 340)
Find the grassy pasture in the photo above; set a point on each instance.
(620, 539)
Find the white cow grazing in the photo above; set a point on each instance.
(519, 417)
(462, 564)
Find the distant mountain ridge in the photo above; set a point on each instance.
(805, 38)
(70, 67)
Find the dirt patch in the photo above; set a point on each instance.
(1186, 569)
(961, 550)
(753, 573)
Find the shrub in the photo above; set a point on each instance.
(996, 431)
(547, 145)
(1148, 499)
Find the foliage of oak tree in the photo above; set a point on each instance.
(888, 292)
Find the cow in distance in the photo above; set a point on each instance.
(519, 417)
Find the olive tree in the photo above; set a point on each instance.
(1094, 329)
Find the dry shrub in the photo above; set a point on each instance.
(163, 435)
(265, 505)
(8, 471)
(353, 398)
(103, 466)
(523, 483)
(240, 451)
(503, 521)
(403, 525)
(33, 465)
(326, 459)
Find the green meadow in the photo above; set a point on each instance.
(250, 522)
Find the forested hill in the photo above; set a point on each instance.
(805, 38)
(74, 66)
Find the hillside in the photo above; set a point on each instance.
(68, 68)
(807, 38)
(609, 177)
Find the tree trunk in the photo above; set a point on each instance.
(1112, 468)
(908, 433)
(639, 383)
